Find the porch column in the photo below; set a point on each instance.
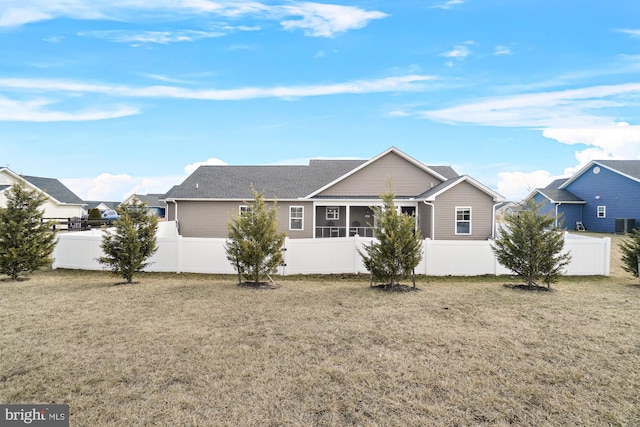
(347, 220)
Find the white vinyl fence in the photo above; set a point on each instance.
(79, 250)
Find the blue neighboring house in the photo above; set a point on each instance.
(603, 196)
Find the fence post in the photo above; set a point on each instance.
(607, 256)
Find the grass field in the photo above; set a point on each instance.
(198, 350)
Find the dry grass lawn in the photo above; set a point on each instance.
(197, 350)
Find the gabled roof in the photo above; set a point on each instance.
(287, 182)
(275, 181)
(434, 192)
(152, 200)
(54, 189)
(442, 173)
(90, 204)
(557, 183)
(555, 195)
(627, 168)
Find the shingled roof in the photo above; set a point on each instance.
(281, 182)
(630, 168)
(559, 196)
(54, 189)
(274, 181)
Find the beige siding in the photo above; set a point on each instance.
(463, 194)
(210, 219)
(407, 179)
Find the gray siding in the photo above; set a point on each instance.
(210, 219)
(424, 220)
(464, 194)
(407, 179)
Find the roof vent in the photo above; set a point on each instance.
(197, 185)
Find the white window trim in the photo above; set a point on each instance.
(301, 218)
(470, 221)
(332, 208)
(604, 212)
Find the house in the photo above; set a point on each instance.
(603, 196)
(506, 208)
(102, 206)
(61, 202)
(155, 205)
(333, 198)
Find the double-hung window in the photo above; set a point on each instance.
(602, 212)
(463, 220)
(244, 210)
(296, 217)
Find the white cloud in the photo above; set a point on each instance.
(502, 50)
(117, 187)
(35, 111)
(448, 4)
(315, 19)
(619, 141)
(189, 169)
(632, 32)
(14, 17)
(158, 37)
(567, 108)
(517, 185)
(571, 117)
(458, 52)
(110, 187)
(389, 84)
(327, 20)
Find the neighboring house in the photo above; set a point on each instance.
(102, 206)
(155, 205)
(61, 202)
(333, 198)
(505, 208)
(603, 196)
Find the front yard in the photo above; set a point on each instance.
(198, 350)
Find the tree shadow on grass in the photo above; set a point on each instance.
(398, 288)
(126, 283)
(523, 287)
(19, 279)
(258, 285)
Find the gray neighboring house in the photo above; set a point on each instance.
(155, 203)
(61, 202)
(333, 198)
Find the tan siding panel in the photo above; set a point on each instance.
(210, 219)
(407, 179)
(464, 194)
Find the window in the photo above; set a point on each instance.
(463, 220)
(333, 213)
(296, 217)
(602, 212)
(244, 210)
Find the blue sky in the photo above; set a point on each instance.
(114, 97)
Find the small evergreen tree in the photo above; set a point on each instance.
(630, 248)
(254, 246)
(26, 241)
(397, 250)
(531, 246)
(132, 242)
